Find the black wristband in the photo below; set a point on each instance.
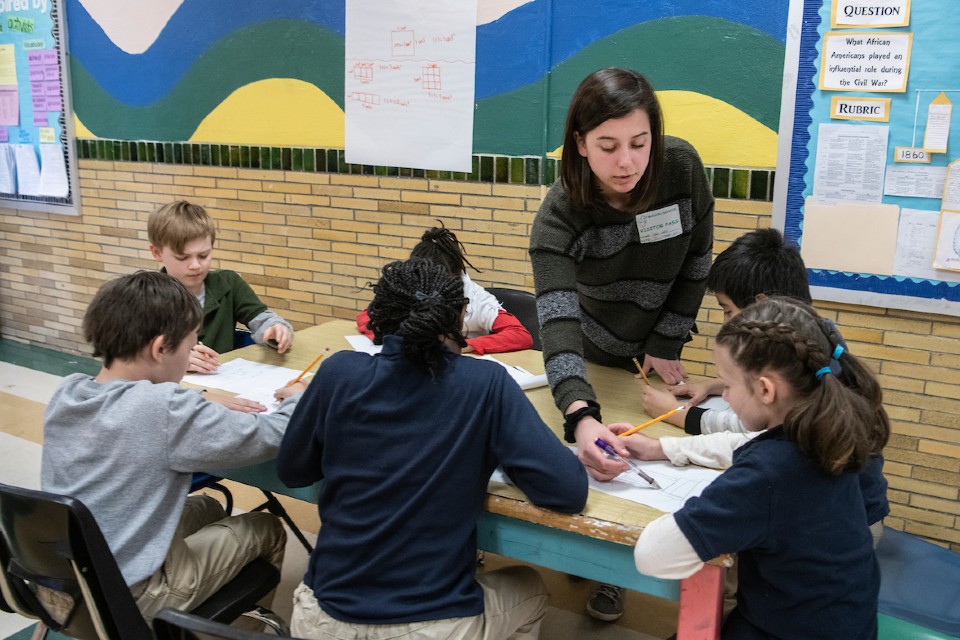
(573, 418)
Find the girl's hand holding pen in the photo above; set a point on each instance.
(203, 359)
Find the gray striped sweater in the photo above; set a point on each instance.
(605, 296)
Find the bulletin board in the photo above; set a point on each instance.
(37, 160)
(868, 180)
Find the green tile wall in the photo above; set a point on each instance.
(735, 183)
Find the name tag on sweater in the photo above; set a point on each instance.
(658, 225)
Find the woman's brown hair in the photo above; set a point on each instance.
(604, 95)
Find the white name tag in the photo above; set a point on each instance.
(658, 225)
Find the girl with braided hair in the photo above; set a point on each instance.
(791, 504)
(486, 326)
(406, 441)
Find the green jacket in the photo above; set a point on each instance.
(227, 301)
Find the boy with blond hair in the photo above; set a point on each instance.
(181, 239)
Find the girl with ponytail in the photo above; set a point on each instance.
(791, 504)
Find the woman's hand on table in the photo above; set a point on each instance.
(670, 371)
(596, 462)
(203, 359)
(657, 403)
(235, 404)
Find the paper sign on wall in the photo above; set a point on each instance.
(865, 61)
(828, 228)
(870, 13)
(938, 124)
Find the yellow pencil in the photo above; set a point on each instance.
(304, 372)
(646, 424)
(640, 369)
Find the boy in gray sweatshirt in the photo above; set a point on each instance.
(127, 441)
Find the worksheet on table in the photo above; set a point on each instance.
(251, 380)
(677, 484)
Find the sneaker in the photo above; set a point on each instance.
(606, 603)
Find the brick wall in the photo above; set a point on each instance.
(309, 243)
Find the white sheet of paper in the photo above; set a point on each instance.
(677, 484)
(951, 187)
(850, 162)
(53, 171)
(8, 169)
(947, 254)
(914, 181)
(916, 244)
(521, 376)
(364, 344)
(28, 170)
(251, 380)
(409, 83)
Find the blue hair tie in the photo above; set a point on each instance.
(822, 372)
(837, 352)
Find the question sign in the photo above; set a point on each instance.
(865, 61)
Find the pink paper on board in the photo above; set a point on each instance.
(40, 117)
(36, 74)
(36, 89)
(35, 57)
(4, 134)
(9, 105)
(51, 88)
(51, 73)
(53, 103)
(48, 57)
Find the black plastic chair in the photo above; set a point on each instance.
(53, 541)
(172, 624)
(523, 305)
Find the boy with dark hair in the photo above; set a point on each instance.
(758, 264)
(181, 239)
(126, 442)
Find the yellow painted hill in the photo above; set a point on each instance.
(276, 112)
(722, 134)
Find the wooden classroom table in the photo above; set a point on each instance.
(596, 544)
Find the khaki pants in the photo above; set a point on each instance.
(208, 550)
(514, 602)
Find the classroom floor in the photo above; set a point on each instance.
(28, 376)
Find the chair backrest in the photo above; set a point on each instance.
(53, 541)
(173, 624)
(523, 305)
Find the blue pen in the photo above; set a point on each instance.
(613, 455)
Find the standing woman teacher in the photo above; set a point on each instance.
(621, 248)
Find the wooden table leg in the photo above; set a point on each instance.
(701, 604)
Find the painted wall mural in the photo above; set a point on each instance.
(271, 73)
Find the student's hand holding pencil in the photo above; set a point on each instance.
(293, 388)
(657, 402)
(640, 446)
(203, 359)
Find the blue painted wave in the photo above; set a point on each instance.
(513, 51)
